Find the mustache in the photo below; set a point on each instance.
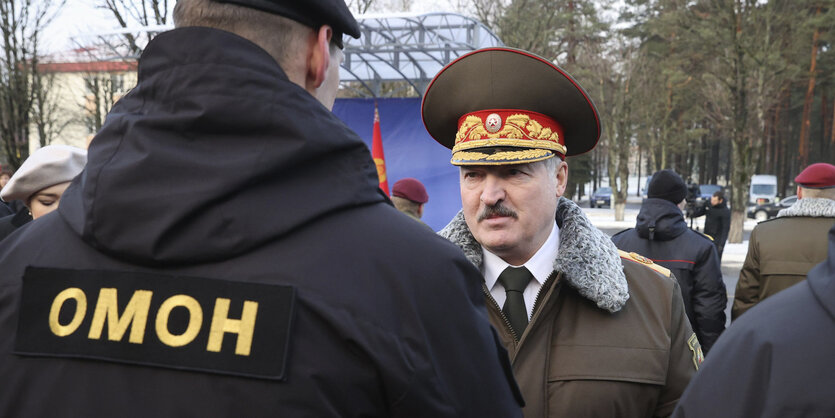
(496, 210)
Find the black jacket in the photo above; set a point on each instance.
(717, 221)
(11, 223)
(662, 235)
(776, 360)
(236, 258)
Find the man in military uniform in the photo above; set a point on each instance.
(782, 250)
(590, 331)
(409, 196)
(227, 251)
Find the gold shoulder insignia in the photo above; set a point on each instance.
(645, 261)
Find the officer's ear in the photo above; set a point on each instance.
(562, 176)
(319, 56)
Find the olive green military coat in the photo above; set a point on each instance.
(782, 250)
(608, 336)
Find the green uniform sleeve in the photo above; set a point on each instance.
(685, 356)
(747, 292)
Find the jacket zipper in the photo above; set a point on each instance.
(499, 309)
(536, 303)
(538, 299)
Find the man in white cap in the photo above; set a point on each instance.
(590, 331)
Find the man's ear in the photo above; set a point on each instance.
(562, 177)
(319, 58)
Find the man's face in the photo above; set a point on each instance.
(715, 200)
(4, 178)
(510, 208)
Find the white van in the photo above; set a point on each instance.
(763, 189)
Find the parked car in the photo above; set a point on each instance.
(769, 210)
(601, 197)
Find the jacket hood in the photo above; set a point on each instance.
(587, 258)
(660, 220)
(206, 158)
(813, 207)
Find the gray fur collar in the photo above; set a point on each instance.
(588, 259)
(814, 207)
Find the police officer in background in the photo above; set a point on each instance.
(662, 235)
(226, 251)
(591, 332)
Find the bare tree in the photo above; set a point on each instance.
(21, 23)
(130, 13)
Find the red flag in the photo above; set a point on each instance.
(377, 152)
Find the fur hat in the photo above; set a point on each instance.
(48, 166)
(667, 185)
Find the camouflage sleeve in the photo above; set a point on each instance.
(685, 356)
(747, 292)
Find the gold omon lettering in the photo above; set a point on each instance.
(244, 327)
(195, 320)
(78, 316)
(136, 312)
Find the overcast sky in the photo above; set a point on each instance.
(80, 17)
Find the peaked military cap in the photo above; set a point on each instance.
(313, 13)
(498, 106)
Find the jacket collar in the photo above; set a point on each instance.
(814, 207)
(587, 258)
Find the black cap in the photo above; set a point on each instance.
(313, 13)
(667, 185)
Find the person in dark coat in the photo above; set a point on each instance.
(776, 360)
(717, 220)
(661, 234)
(227, 251)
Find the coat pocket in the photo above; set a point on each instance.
(626, 364)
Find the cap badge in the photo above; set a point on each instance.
(493, 123)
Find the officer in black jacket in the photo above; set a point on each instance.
(776, 360)
(662, 235)
(227, 251)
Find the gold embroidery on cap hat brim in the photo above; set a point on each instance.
(503, 157)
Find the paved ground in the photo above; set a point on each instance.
(732, 259)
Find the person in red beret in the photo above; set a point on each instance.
(792, 243)
(409, 196)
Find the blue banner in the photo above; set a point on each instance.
(409, 150)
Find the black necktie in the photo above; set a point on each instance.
(515, 280)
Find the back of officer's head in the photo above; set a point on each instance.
(283, 38)
(667, 185)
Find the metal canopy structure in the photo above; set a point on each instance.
(408, 48)
(393, 48)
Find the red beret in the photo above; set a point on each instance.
(410, 189)
(817, 176)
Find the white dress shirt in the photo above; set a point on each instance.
(541, 265)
